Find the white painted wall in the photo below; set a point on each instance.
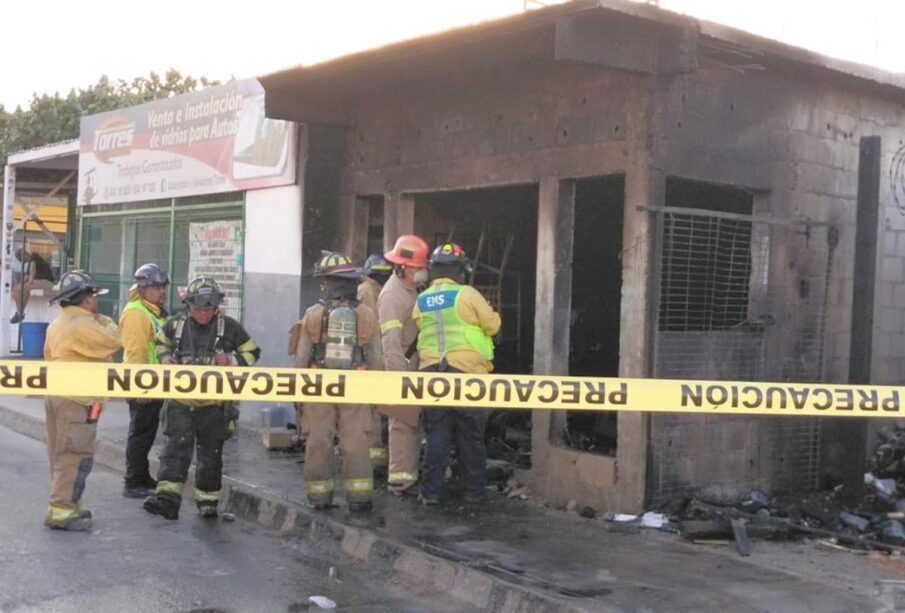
(273, 230)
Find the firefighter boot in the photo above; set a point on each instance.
(164, 506)
(207, 509)
(139, 491)
(75, 524)
(78, 521)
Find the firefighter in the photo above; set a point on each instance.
(398, 333)
(376, 272)
(204, 335)
(455, 328)
(141, 320)
(78, 334)
(338, 332)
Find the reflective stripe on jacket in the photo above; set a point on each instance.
(443, 329)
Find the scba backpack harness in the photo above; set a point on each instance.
(338, 346)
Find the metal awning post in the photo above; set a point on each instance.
(6, 272)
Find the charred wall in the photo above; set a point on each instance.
(785, 135)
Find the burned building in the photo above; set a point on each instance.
(646, 195)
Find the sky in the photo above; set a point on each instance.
(56, 45)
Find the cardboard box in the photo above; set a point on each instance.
(277, 438)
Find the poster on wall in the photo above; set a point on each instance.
(213, 141)
(215, 251)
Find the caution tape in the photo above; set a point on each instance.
(497, 391)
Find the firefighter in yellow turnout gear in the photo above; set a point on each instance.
(78, 334)
(338, 332)
(376, 272)
(398, 331)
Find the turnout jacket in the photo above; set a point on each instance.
(368, 290)
(78, 335)
(139, 324)
(197, 344)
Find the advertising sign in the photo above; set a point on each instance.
(215, 251)
(216, 140)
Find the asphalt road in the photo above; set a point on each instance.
(133, 561)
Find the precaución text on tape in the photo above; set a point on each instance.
(496, 391)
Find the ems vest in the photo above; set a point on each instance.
(156, 323)
(442, 330)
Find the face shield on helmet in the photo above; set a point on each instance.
(148, 275)
(203, 292)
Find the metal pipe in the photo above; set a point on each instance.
(9, 195)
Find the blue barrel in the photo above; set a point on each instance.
(33, 334)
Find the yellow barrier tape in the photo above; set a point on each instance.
(499, 391)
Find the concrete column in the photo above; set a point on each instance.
(645, 186)
(358, 250)
(555, 225)
(398, 217)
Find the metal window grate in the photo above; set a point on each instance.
(706, 271)
(730, 307)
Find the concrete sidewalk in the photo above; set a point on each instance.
(510, 555)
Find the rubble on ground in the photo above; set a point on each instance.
(508, 437)
(877, 522)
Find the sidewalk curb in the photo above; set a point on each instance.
(467, 585)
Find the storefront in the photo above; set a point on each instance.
(187, 236)
(169, 182)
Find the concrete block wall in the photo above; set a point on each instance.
(799, 139)
(485, 129)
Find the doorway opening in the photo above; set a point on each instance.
(497, 228)
(596, 304)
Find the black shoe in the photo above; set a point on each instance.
(322, 506)
(207, 510)
(138, 491)
(362, 506)
(158, 505)
(16, 318)
(149, 482)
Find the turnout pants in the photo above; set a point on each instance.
(194, 429)
(143, 421)
(378, 450)
(320, 423)
(405, 446)
(70, 449)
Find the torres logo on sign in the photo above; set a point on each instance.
(113, 138)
